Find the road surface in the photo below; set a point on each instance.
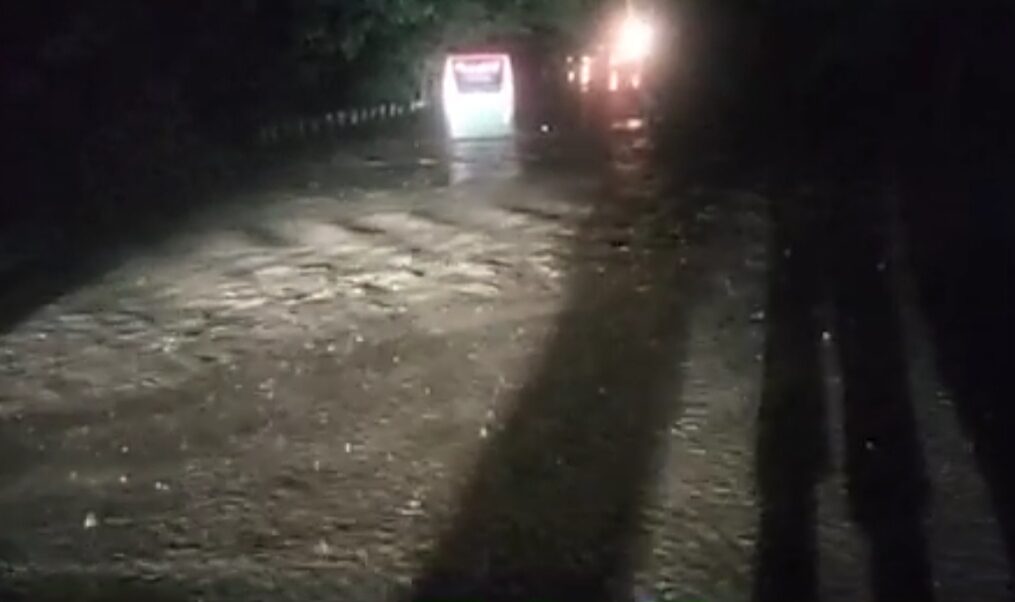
(555, 367)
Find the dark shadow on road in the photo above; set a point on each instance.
(78, 243)
(830, 284)
(552, 511)
(960, 226)
(958, 211)
(85, 235)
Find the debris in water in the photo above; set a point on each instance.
(91, 521)
(728, 285)
(322, 548)
(268, 388)
(758, 316)
(826, 337)
(415, 508)
(483, 433)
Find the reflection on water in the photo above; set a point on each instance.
(620, 158)
(489, 159)
(630, 172)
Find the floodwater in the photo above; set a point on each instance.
(553, 367)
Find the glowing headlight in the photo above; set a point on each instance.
(635, 39)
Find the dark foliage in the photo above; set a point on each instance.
(112, 100)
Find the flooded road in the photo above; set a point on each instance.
(542, 368)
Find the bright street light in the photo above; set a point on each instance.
(635, 39)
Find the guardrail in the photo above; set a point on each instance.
(306, 127)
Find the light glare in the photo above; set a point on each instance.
(635, 39)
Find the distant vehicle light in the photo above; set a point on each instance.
(478, 95)
(631, 124)
(585, 73)
(635, 40)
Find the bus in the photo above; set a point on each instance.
(478, 95)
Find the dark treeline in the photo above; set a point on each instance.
(116, 99)
(104, 98)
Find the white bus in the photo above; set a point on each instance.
(478, 95)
